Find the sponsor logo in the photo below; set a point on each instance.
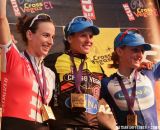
(140, 8)
(91, 104)
(33, 6)
(15, 8)
(86, 77)
(4, 93)
(96, 91)
(88, 9)
(141, 92)
(128, 12)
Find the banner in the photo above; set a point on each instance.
(112, 16)
(88, 9)
(103, 47)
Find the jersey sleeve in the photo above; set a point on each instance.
(50, 61)
(10, 56)
(156, 70)
(104, 83)
(51, 76)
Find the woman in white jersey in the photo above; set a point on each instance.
(130, 92)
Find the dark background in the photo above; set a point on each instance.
(109, 14)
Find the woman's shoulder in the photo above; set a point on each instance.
(107, 79)
(49, 72)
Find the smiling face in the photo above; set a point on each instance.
(81, 42)
(40, 43)
(130, 57)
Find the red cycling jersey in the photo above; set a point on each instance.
(21, 97)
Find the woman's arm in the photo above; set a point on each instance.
(4, 25)
(156, 70)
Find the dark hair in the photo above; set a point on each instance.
(66, 43)
(24, 22)
(115, 59)
(65, 31)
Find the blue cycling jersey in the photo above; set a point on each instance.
(144, 105)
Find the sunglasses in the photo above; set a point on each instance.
(135, 30)
(78, 19)
(41, 16)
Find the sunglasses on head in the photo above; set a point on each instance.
(78, 18)
(38, 17)
(127, 32)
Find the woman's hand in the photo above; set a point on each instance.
(146, 65)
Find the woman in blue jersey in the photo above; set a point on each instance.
(129, 92)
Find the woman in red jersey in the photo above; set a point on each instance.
(26, 84)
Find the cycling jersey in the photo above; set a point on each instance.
(144, 105)
(21, 97)
(91, 80)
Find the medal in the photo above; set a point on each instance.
(132, 120)
(131, 117)
(78, 102)
(47, 113)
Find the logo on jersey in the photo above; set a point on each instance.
(91, 104)
(141, 92)
(88, 80)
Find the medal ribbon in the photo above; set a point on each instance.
(42, 88)
(129, 100)
(77, 73)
